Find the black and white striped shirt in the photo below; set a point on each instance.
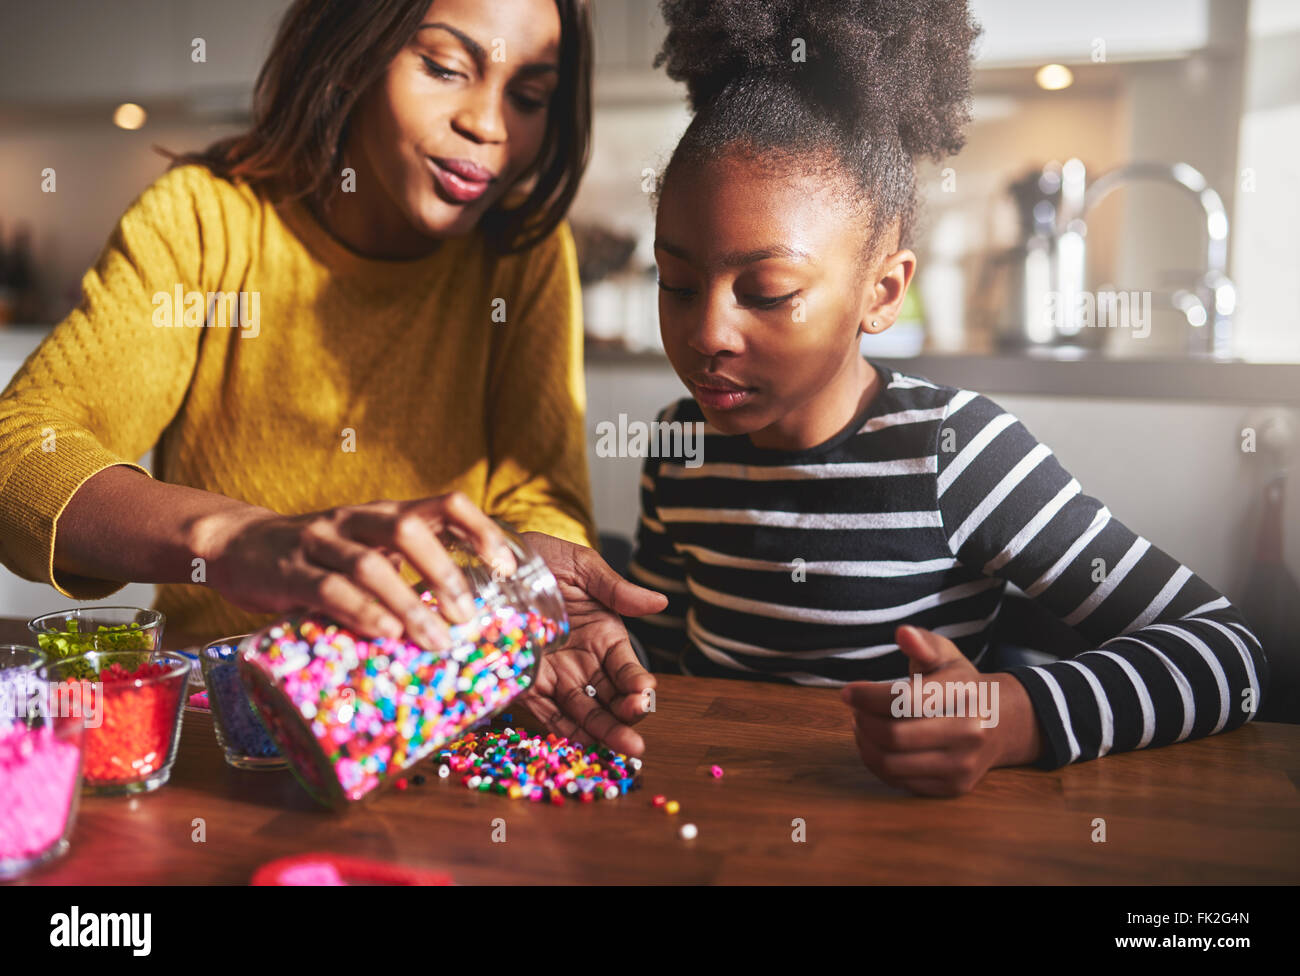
(797, 566)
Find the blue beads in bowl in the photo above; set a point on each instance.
(241, 734)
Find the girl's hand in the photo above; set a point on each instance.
(598, 653)
(946, 754)
(345, 562)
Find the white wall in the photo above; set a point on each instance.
(1265, 246)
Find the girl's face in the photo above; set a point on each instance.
(457, 118)
(763, 297)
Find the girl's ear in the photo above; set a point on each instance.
(884, 297)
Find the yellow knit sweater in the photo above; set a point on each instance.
(333, 379)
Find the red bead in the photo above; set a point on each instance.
(659, 800)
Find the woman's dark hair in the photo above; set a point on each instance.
(328, 52)
(864, 86)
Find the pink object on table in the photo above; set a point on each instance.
(324, 868)
(319, 873)
(199, 700)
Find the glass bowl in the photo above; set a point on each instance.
(19, 682)
(131, 702)
(67, 633)
(40, 766)
(242, 736)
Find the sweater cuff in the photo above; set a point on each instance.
(1056, 750)
(36, 494)
(557, 523)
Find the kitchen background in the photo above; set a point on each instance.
(1187, 111)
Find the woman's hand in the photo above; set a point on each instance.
(598, 652)
(345, 562)
(946, 754)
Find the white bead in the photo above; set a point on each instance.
(444, 771)
(689, 831)
(474, 782)
(611, 792)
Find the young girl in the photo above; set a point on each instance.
(371, 294)
(850, 524)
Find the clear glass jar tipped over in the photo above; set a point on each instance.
(351, 713)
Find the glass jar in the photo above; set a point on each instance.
(40, 766)
(131, 702)
(240, 733)
(350, 714)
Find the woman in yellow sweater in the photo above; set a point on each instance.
(370, 295)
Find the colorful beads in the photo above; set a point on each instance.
(373, 708)
(137, 737)
(38, 781)
(238, 729)
(538, 768)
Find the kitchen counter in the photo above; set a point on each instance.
(1200, 380)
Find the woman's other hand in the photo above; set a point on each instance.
(598, 654)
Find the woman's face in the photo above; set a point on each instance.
(763, 297)
(459, 115)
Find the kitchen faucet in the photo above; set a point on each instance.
(1210, 300)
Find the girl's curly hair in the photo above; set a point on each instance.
(865, 86)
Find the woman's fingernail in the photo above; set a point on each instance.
(465, 603)
(434, 636)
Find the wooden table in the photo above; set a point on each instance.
(1220, 810)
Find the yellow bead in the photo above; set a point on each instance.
(672, 806)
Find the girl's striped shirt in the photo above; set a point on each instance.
(797, 566)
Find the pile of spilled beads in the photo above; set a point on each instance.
(375, 707)
(515, 764)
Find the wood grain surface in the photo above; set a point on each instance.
(1220, 810)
